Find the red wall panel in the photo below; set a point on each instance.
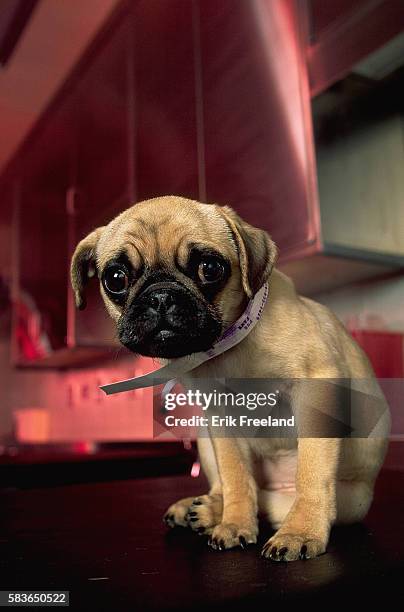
(385, 351)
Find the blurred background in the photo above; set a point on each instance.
(289, 111)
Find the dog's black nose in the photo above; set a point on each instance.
(161, 300)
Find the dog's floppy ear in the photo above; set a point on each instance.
(83, 257)
(257, 252)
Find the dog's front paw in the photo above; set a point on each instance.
(293, 546)
(205, 513)
(230, 535)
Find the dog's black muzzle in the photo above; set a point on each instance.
(167, 320)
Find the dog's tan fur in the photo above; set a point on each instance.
(303, 486)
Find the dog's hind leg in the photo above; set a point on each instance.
(354, 498)
(204, 512)
(177, 514)
(200, 513)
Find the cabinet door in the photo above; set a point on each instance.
(257, 119)
(165, 102)
(99, 105)
(81, 148)
(40, 267)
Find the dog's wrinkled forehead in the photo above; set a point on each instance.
(161, 231)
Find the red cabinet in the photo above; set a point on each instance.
(205, 99)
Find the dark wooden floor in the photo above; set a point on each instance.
(105, 542)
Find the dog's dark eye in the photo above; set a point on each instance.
(115, 280)
(210, 270)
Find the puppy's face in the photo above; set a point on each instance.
(174, 273)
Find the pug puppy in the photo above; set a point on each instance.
(174, 275)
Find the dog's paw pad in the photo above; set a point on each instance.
(290, 547)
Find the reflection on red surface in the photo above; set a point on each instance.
(196, 469)
(84, 448)
(33, 342)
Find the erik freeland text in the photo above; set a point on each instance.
(228, 421)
